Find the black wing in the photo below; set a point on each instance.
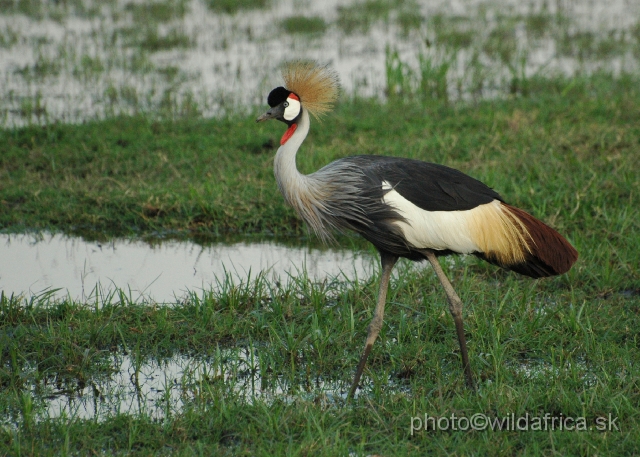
(429, 186)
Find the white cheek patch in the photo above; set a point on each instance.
(292, 111)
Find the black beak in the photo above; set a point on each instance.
(266, 116)
(275, 112)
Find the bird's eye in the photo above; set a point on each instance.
(286, 104)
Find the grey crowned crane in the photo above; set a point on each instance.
(406, 208)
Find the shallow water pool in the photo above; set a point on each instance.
(163, 272)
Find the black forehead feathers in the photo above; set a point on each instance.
(277, 96)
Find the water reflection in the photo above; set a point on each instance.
(161, 388)
(67, 65)
(163, 272)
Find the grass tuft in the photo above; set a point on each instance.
(157, 11)
(304, 24)
(233, 6)
(360, 16)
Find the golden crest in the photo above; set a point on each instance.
(316, 85)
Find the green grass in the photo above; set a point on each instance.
(148, 38)
(428, 82)
(360, 16)
(58, 10)
(233, 6)
(157, 11)
(32, 8)
(453, 32)
(42, 68)
(538, 24)
(309, 332)
(501, 43)
(89, 67)
(304, 24)
(128, 176)
(8, 37)
(33, 107)
(409, 19)
(567, 152)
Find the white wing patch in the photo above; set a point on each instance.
(434, 229)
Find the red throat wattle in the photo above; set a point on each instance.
(288, 134)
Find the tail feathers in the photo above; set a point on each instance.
(547, 253)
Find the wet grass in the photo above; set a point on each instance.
(360, 16)
(304, 24)
(452, 31)
(482, 52)
(43, 67)
(233, 6)
(409, 19)
(538, 24)
(501, 43)
(32, 8)
(33, 107)
(148, 38)
(174, 38)
(583, 340)
(429, 81)
(8, 37)
(157, 11)
(567, 151)
(58, 10)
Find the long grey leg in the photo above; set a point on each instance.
(388, 261)
(455, 306)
